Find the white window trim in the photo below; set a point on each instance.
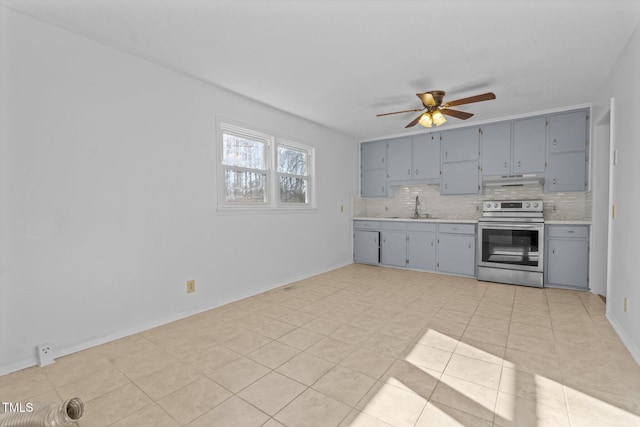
(272, 204)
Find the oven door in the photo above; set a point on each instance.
(511, 246)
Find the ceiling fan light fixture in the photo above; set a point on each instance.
(426, 120)
(438, 118)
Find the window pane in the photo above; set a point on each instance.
(292, 161)
(293, 190)
(243, 152)
(245, 187)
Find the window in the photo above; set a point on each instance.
(292, 173)
(262, 171)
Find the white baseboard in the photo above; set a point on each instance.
(633, 349)
(64, 351)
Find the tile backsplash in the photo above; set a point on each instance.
(557, 206)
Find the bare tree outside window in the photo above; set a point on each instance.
(292, 170)
(258, 170)
(245, 180)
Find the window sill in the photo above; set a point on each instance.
(252, 210)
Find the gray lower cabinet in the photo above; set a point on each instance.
(567, 256)
(421, 246)
(457, 249)
(393, 249)
(366, 242)
(444, 247)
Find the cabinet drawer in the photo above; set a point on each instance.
(457, 228)
(421, 226)
(366, 225)
(392, 225)
(578, 231)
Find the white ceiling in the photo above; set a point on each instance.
(340, 62)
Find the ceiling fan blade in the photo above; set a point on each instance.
(414, 122)
(398, 112)
(427, 99)
(477, 98)
(456, 113)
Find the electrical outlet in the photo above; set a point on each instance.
(625, 304)
(191, 286)
(45, 354)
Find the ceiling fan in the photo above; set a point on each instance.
(436, 110)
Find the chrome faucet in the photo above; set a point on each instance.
(416, 214)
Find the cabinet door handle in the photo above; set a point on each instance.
(416, 171)
(555, 142)
(446, 154)
(553, 251)
(519, 163)
(505, 165)
(409, 172)
(553, 181)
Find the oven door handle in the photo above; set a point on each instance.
(515, 226)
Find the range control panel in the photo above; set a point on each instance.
(512, 206)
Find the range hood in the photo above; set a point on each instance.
(517, 179)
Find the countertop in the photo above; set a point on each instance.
(462, 221)
(567, 222)
(467, 221)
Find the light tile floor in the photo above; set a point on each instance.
(360, 346)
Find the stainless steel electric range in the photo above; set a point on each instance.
(511, 242)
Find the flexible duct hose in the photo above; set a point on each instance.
(52, 416)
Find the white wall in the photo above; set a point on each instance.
(108, 202)
(624, 86)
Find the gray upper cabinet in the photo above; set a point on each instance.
(567, 163)
(426, 157)
(415, 159)
(529, 142)
(399, 158)
(460, 178)
(459, 145)
(553, 145)
(566, 172)
(373, 155)
(496, 149)
(373, 169)
(460, 156)
(568, 132)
